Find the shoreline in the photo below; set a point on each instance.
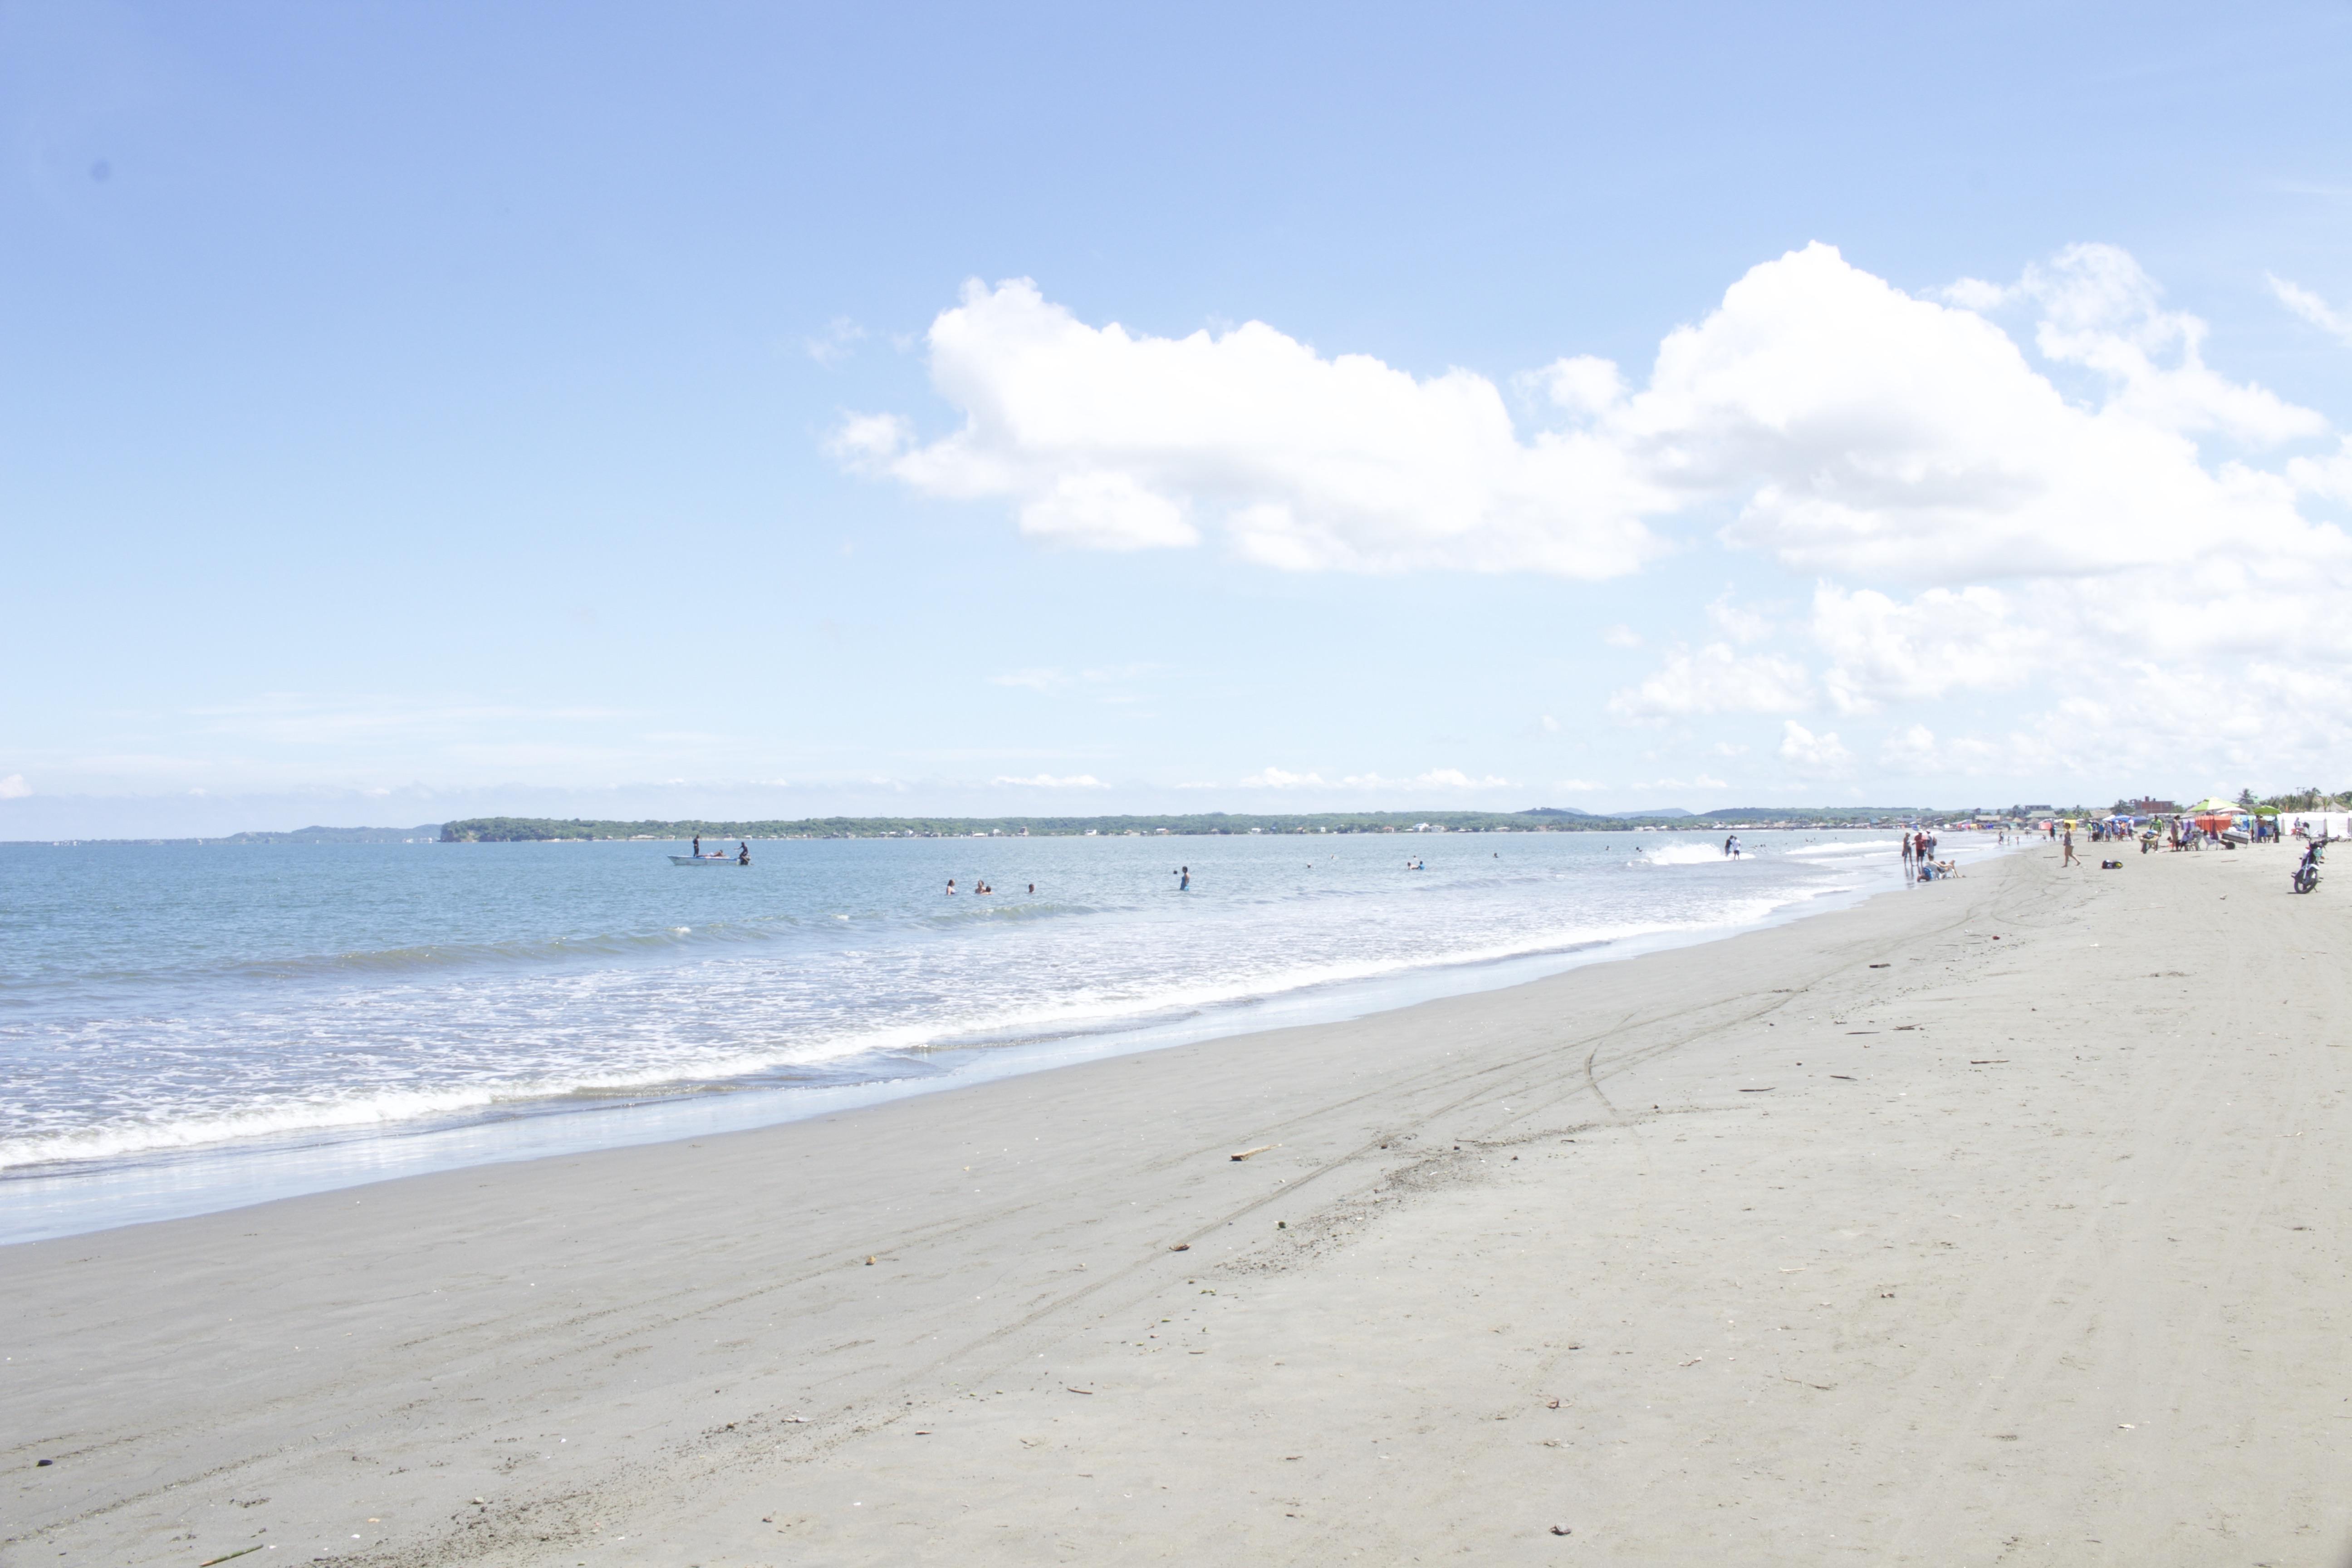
(2031, 1257)
(88, 1195)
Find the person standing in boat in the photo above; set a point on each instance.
(744, 853)
(697, 845)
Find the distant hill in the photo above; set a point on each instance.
(429, 832)
(426, 832)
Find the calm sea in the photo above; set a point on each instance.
(186, 1027)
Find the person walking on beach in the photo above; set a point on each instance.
(1910, 861)
(2070, 860)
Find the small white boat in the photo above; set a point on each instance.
(707, 860)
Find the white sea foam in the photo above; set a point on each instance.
(449, 996)
(1684, 855)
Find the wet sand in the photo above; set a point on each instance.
(1997, 1221)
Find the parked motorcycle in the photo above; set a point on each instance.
(2306, 871)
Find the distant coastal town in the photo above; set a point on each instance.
(1195, 825)
(1538, 819)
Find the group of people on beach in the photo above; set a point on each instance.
(1919, 862)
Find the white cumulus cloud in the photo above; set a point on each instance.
(1742, 626)
(1436, 778)
(1857, 429)
(1277, 778)
(1715, 680)
(1977, 510)
(1868, 432)
(1812, 753)
(1111, 439)
(1880, 650)
(14, 787)
(1047, 781)
(1910, 750)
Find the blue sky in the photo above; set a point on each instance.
(417, 411)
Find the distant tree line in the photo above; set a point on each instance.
(540, 829)
(2311, 799)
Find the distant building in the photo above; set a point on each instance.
(2150, 806)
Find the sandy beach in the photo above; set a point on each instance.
(1995, 1221)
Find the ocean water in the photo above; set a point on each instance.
(185, 1027)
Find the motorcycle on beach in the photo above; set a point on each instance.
(2306, 871)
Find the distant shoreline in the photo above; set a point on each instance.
(510, 829)
(1541, 819)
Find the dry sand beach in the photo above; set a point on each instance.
(1996, 1221)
